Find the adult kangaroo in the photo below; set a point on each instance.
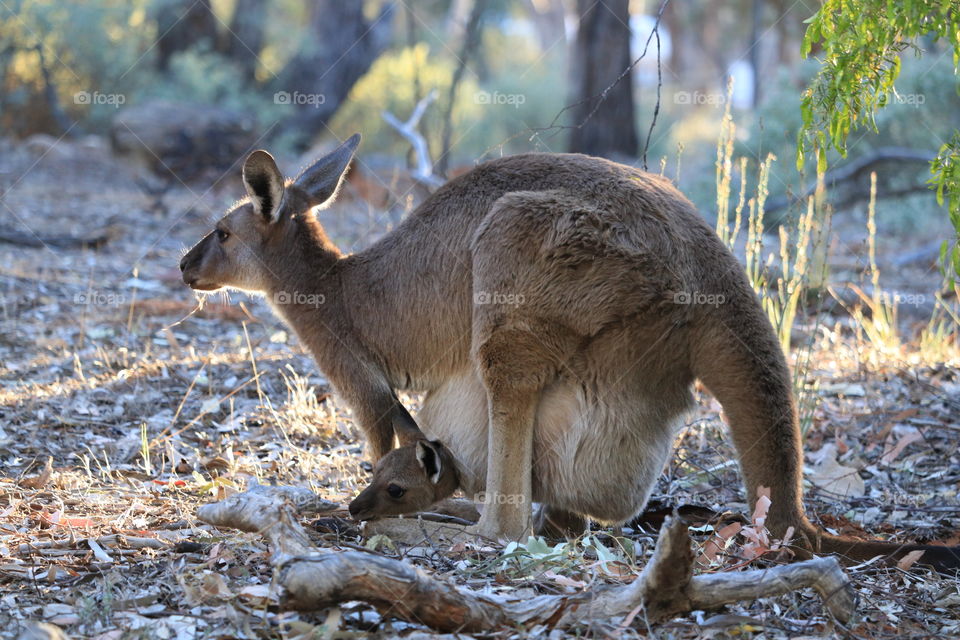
(546, 303)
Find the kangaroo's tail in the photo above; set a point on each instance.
(736, 354)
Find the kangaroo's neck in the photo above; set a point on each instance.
(320, 293)
(306, 291)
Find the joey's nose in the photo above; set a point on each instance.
(183, 263)
(359, 508)
(354, 510)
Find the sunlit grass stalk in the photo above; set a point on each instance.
(938, 340)
(145, 449)
(880, 328)
(724, 169)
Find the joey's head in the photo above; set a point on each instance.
(258, 242)
(408, 479)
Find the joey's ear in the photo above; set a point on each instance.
(322, 179)
(264, 183)
(429, 459)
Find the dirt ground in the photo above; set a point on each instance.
(146, 408)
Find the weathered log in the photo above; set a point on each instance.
(311, 578)
(182, 142)
(92, 240)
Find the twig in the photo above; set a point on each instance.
(600, 97)
(656, 108)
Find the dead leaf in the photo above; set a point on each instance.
(98, 551)
(831, 476)
(215, 587)
(40, 480)
(717, 543)
(564, 581)
(909, 559)
(891, 451)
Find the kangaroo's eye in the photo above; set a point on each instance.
(395, 490)
(222, 235)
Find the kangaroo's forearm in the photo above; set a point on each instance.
(365, 389)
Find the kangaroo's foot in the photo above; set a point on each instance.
(556, 524)
(504, 523)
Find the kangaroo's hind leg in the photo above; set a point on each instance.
(514, 372)
(556, 524)
(518, 348)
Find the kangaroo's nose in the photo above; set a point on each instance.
(183, 263)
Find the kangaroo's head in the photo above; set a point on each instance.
(408, 479)
(255, 243)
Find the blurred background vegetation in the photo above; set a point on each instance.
(292, 75)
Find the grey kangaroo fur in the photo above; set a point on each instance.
(543, 303)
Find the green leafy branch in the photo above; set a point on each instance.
(861, 44)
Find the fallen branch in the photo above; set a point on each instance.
(311, 578)
(424, 170)
(94, 239)
(852, 170)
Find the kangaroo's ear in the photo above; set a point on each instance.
(264, 183)
(322, 179)
(429, 459)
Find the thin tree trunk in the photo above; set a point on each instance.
(63, 122)
(244, 40)
(755, 35)
(181, 25)
(603, 117)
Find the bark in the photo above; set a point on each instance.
(603, 114)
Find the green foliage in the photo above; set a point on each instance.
(87, 46)
(946, 177)
(862, 46)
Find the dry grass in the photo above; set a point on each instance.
(145, 418)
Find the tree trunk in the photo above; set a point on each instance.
(244, 40)
(181, 25)
(339, 48)
(603, 117)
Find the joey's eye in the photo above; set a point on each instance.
(222, 235)
(395, 490)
